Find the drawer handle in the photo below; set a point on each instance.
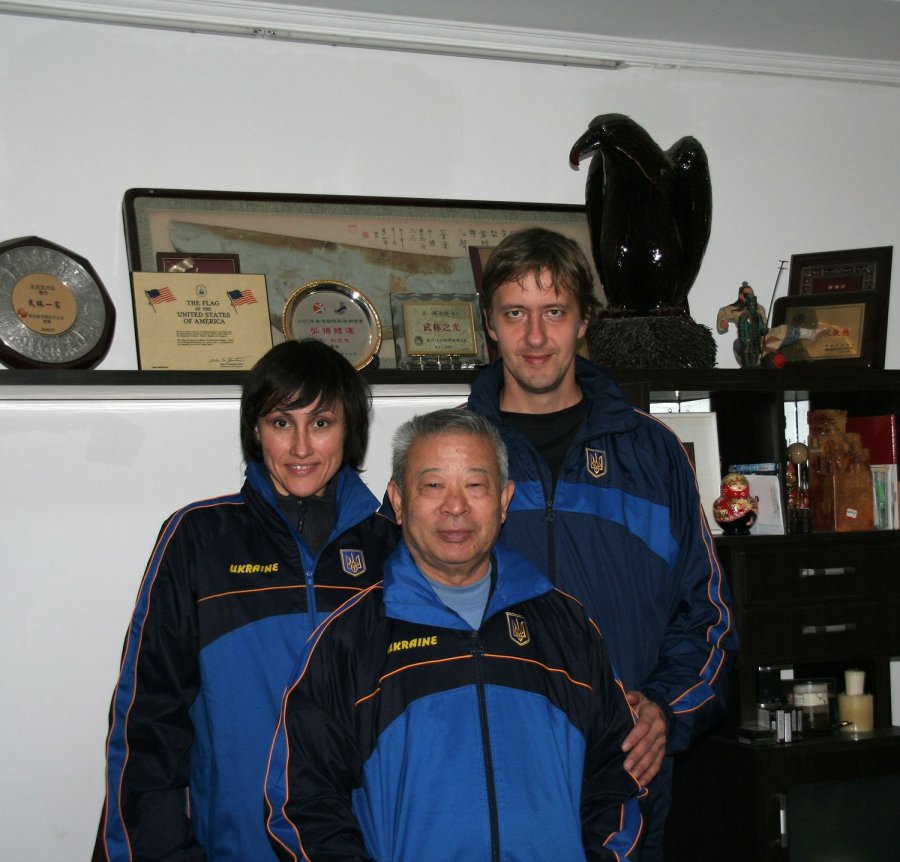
(830, 572)
(836, 628)
(781, 801)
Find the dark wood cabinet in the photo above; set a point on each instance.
(819, 603)
(816, 604)
(733, 802)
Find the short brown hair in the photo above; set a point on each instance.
(530, 252)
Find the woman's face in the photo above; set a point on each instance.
(302, 449)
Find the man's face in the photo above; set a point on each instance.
(451, 505)
(536, 329)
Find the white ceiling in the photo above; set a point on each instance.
(847, 29)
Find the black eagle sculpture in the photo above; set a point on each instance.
(649, 214)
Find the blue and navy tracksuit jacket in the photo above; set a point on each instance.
(624, 532)
(229, 598)
(408, 736)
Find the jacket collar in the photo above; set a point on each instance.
(607, 407)
(353, 500)
(409, 596)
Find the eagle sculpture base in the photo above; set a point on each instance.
(651, 342)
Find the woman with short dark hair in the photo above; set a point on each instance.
(234, 587)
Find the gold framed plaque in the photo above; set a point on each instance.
(191, 321)
(338, 315)
(839, 328)
(437, 331)
(54, 310)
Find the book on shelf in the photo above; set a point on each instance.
(765, 468)
(884, 496)
(878, 435)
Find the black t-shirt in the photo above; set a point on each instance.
(550, 433)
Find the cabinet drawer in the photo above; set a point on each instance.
(819, 632)
(813, 572)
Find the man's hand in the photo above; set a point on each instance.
(646, 744)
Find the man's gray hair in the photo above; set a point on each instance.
(450, 421)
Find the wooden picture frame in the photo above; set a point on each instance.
(379, 246)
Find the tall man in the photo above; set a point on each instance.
(463, 709)
(606, 505)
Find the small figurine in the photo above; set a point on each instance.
(735, 510)
(751, 327)
(750, 322)
(731, 312)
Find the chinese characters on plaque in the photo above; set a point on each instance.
(338, 315)
(437, 331)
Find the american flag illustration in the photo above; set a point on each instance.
(162, 295)
(241, 297)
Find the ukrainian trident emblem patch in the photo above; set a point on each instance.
(353, 562)
(518, 628)
(596, 462)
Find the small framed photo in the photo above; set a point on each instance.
(841, 328)
(438, 331)
(699, 435)
(846, 271)
(229, 264)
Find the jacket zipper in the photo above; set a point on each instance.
(478, 653)
(549, 519)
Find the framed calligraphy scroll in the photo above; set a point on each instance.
(377, 246)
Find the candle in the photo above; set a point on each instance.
(854, 681)
(857, 710)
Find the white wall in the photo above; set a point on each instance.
(92, 110)
(86, 485)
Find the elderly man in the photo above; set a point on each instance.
(461, 709)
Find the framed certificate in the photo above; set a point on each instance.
(840, 328)
(188, 321)
(338, 315)
(434, 331)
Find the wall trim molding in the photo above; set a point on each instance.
(281, 21)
